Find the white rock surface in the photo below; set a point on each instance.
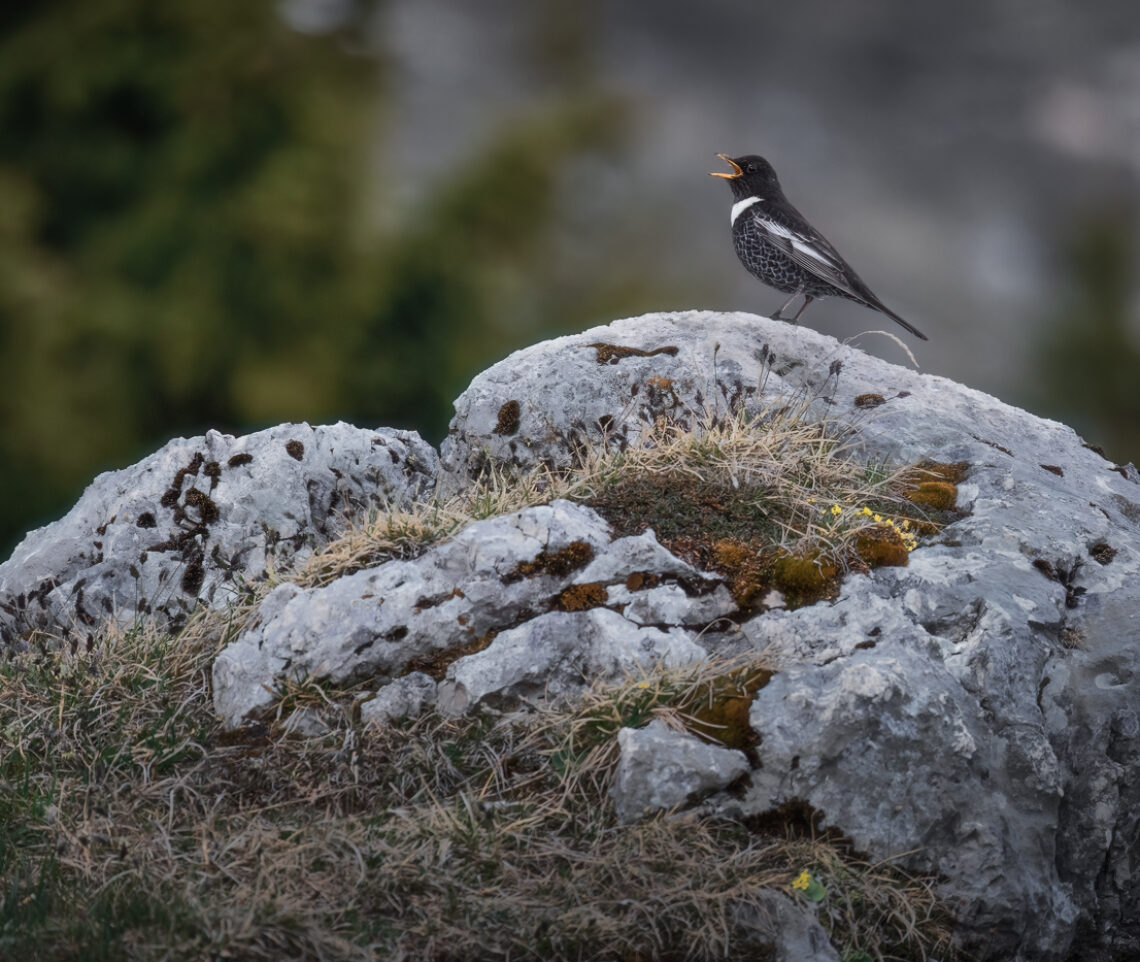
(382, 621)
(661, 768)
(559, 652)
(192, 522)
(978, 708)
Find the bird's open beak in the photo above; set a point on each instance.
(736, 171)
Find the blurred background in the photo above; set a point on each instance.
(220, 214)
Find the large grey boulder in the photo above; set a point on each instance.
(978, 709)
(192, 522)
(975, 714)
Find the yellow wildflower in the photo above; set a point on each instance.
(803, 881)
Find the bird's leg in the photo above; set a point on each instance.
(779, 315)
(807, 300)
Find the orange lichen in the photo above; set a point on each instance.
(805, 578)
(939, 495)
(882, 546)
(582, 597)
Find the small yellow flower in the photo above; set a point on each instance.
(836, 510)
(865, 511)
(643, 684)
(803, 881)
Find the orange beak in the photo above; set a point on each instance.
(736, 171)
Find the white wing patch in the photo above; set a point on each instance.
(799, 243)
(741, 206)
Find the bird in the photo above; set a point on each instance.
(779, 247)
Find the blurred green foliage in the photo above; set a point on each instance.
(187, 239)
(1089, 362)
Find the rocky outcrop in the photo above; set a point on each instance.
(974, 714)
(193, 522)
(438, 612)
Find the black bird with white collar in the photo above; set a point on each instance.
(783, 250)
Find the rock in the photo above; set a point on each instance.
(560, 652)
(406, 697)
(661, 768)
(976, 708)
(425, 613)
(607, 385)
(973, 714)
(192, 522)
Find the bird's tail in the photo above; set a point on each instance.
(874, 303)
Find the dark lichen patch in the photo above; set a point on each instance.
(994, 445)
(206, 507)
(1053, 469)
(433, 601)
(1065, 574)
(869, 400)
(577, 554)
(613, 353)
(436, 664)
(146, 520)
(1102, 552)
(193, 576)
(509, 417)
(239, 459)
(582, 597)
(295, 449)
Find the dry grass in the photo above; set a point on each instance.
(798, 480)
(134, 827)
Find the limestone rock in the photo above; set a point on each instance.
(195, 520)
(559, 652)
(977, 708)
(453, 600)
(661, 768)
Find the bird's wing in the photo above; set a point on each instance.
(793, 236)
(808, 248)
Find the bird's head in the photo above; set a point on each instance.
(751, 176)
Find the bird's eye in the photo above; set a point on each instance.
(751, 168)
